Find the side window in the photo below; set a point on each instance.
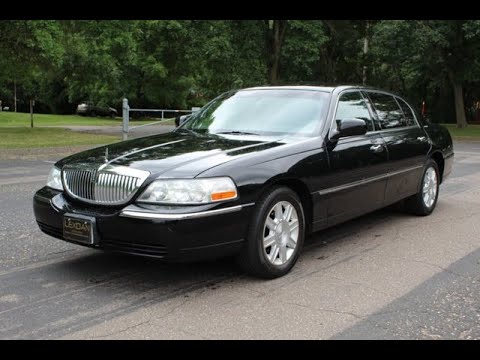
(389, 113)
(407, 111)
(352, 105)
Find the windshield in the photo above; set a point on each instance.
(262, 112)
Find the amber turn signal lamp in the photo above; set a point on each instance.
(224, 195)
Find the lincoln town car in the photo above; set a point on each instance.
(249, 176)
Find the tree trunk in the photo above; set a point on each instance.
(276, 38)
(459, 103)
(365, 52)
(15, 94)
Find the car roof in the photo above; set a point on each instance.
(310, 88)
(329, 89)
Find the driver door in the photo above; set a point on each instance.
(358, 165)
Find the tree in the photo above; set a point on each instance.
(428, 55)
(183, 63)
(275, 37)
(28, 47)
(301, 51)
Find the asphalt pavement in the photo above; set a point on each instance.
(386, 275)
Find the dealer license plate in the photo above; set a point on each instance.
(79, 229)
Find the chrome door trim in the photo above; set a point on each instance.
(365, 181)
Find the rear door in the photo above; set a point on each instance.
(407, 144)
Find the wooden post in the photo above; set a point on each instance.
(31, 112)
(15, 94)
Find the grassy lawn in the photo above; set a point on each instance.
(9, 119)
(472, 132)
(15, 131)
(20, 137)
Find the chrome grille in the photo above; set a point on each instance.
(110, 185)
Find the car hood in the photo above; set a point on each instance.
(187, 154)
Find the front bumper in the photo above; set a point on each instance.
(172, 235)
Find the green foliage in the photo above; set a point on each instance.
(302, 49)
(184, 63)
(48, 137)
(427, 59)
(470, 133)
(19, 119)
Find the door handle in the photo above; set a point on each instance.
(377, 148)
(421, 138)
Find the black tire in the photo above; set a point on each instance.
(415, 204)
(252, 257)
(93, 114)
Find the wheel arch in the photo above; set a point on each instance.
(301, 189)
(437, 156)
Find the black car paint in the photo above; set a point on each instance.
(362, 180)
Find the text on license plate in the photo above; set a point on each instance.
(77, 229)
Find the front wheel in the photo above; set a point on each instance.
(423, 203)
(276, 234)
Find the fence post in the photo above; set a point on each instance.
(32, 103)
(125, 117)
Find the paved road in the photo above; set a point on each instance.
(385, 275)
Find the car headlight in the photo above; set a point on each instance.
(189, 191)
(54, 179)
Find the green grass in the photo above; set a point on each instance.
(20, 137)
(9, 119)
(471, 132)
(15, 131)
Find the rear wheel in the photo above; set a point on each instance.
(276, 234)
(423, 203)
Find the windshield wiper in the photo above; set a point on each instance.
(236, 133)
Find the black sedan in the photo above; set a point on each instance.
(250, 174)
(88, 108)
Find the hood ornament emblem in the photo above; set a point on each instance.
(106, 155)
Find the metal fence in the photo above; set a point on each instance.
(126, 110)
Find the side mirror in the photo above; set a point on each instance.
(348, 127)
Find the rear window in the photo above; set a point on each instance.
(389, 114)
(407, 112)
